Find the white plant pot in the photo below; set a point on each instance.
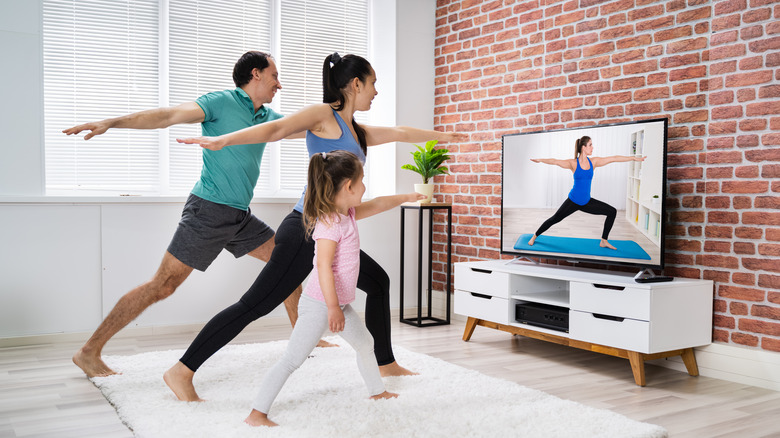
(424, 189)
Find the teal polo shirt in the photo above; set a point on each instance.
(230, 174)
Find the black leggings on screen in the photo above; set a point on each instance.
(594, 206)
(290, 263)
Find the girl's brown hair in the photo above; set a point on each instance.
(328, 171)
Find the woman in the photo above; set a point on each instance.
(579, 198)
(348, 86)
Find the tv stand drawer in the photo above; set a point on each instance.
(625, 333)
(483, 281)
(482, 306)
(627, 302)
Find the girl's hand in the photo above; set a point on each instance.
(536, 160)
(335, 319)
(640, 158)
(211, 143)
(414, 197)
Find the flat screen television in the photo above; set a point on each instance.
(631, 188)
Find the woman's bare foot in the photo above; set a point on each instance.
(257, 418)
(605, 244)
(325, 344)
(179, 379)
(393, 369)
(91, 364)
(384, 395)
(532, 240)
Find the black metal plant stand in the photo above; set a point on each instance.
(429, 319)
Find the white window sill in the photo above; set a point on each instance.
(122, 200)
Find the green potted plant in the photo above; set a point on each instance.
(428, 163)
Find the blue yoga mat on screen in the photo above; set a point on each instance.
(627, 249)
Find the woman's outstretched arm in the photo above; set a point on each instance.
(566, 164)
(308, 118)
(603, 161)
(376, 135)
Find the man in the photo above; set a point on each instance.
(216, 214)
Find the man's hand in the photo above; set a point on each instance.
(335, 319)
(95, 128)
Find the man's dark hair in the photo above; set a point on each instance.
(242, 71)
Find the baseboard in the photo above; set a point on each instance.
(735, 364)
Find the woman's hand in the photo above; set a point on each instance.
(640, 158)
(211, 143)
(457, 137)
(335, 319)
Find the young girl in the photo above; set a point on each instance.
(331, 207)
(348, 86)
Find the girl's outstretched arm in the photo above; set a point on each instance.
(326, 252)
(308, 118)
(603, 161)
(376, 135)
(384, 203)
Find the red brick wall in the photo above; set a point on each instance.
(710, 67)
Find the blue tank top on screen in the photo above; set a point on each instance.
(580, 192)
(346, 142)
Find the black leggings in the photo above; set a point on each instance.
(594, 206)
(290, 263)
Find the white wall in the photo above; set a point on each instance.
(65, 262)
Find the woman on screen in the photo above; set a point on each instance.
(579, 198)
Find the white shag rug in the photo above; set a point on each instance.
(326, 398)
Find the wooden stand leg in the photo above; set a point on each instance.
(471, 324)
(637, 367)
(690, 362)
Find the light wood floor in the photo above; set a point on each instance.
(42, 394)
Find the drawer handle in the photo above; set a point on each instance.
(608, 286)
(608, 317)
(483, 296)
(482, 271)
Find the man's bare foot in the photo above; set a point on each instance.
(532, 240)
(605, 244)
(384, 395)
(325, 344)
(179, 379)
(257, 418)
(91, 364)
(393, 369)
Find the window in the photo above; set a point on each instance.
(106, 58)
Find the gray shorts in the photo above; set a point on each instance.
(207, 227)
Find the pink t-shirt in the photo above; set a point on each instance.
(346, 262)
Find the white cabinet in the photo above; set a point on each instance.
(607, 311)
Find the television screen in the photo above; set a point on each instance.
(608, 209)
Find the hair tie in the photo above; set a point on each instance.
(324, 156)
(335, 58)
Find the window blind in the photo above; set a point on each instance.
(311, 30)
(100, 61)
(106, 58)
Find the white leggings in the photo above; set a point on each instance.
(311, 325)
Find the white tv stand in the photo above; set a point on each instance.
(608, 312)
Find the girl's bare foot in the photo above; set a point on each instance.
(179, 379)
(533, 239)
(91, 364)
(384, 395)
(257, 418)
(605, 244)
(393, 369)
(325, 344)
